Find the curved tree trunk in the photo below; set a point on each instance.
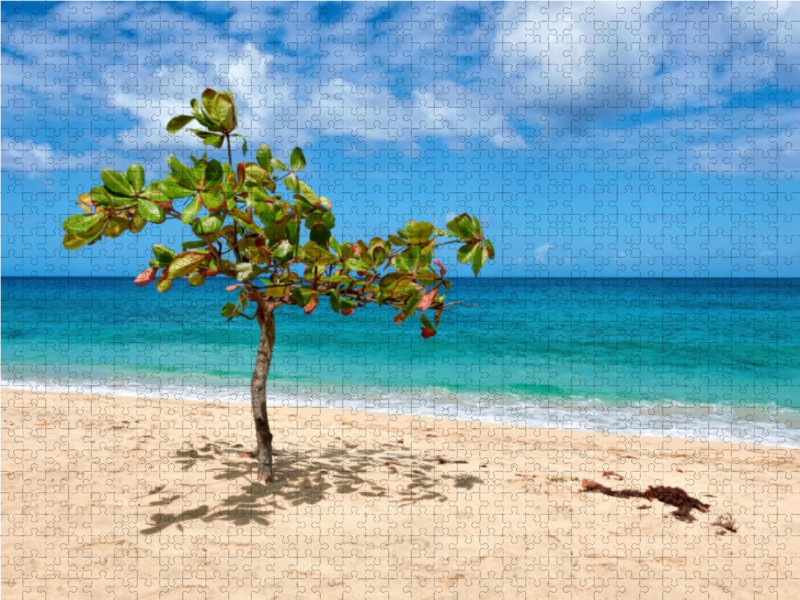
(258, 393)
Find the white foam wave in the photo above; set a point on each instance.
(754, 424)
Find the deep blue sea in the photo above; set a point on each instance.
(715, 359)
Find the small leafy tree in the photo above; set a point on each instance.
(278, 251)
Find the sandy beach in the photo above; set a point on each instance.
(116, 497)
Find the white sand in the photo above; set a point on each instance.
(111, 497)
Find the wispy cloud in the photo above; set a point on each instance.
(511, 76)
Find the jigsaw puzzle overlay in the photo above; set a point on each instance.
(610, 412)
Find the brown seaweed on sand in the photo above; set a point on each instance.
(674, 496)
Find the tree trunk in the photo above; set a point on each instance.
(258, 393)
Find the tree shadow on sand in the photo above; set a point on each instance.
(307, 477)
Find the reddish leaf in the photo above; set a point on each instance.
(165, 205)
(312, 304)
(442, 270)
(427, 333)
(230, 288)
(211, 273)
(347, 311)
(146, 276)
(427, 299)
(259, 243)
(398, 319)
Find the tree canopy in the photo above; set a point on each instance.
(278, 247)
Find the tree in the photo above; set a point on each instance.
(279, 252)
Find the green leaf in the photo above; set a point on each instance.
(137, 222)
(116, 182)
(302, 295)
(181, 172)
(213, 173)
(155, 196)
(193, 245)
(209, 96)
(276, 164)
(479, 259)
(490, 248)
(100, 195)
(78, 224)
(244, 148)
(226, 113)
(197, 279)
(184, 265)
(326, 218)
(466, 228)
(177, 123)
(256, 174)
(390, 279)
(229, 310)
(297, 160)
(466, 254)
(213, 198)
(308, 193)
(191, 210)
(419, 232)
(162, 285)
(135, 177)
(291, 183)
(209, 224)
(199, 169)
(245, 271)
(214, 140)
(334, 298)
(163, 254)
(151, 211)
(283, 252)
(72, 241)
(412, 304)
(172, 189)
(264, 157)
(426, 322)
(293, 229)
(320, 234)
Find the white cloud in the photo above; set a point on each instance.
(540, 253)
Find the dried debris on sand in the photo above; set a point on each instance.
(674, 496)
(727, 523)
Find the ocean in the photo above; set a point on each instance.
(710, 359)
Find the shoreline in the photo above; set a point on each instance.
(705, 418)
(102, 492)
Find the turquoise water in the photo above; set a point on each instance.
(696, 358)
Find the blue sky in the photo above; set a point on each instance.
(592, 139)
